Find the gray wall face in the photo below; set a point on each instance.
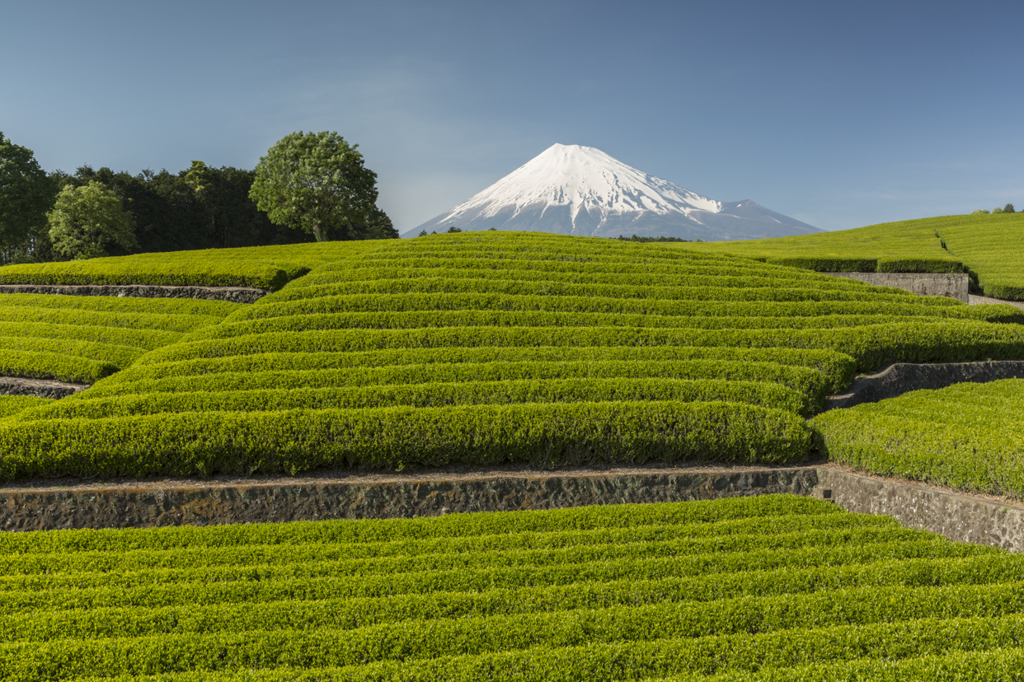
(958, 516)
(950, 284)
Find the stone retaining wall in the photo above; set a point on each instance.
(951, 284)
(41, 388)
(904, 377)
(231, 294)
(284, 499)
(958, 516)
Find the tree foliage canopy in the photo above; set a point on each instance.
(316, 182)
(89, 221)
(26, 192)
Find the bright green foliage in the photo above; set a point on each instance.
(479, 348)
(82, 339)
(89, 221)
(316, 182)
(203, 443)
(984, 245)
(966, 436)
(774, 587)
(13, 404)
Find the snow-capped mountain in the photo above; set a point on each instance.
(569, 189)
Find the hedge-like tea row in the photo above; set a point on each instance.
(404, 302)
(128, 305)
(836, 368)
(467, 319)
(56, 363)
(778, 584)
(640, 289)
(808, 382)
(13, 404)
(873, 347)
(547, 435)
(82, 339)
(966, 436)
(436, 394)
(19, 315)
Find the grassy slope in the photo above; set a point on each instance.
(992, 248)
(786, 586)
(989, 247)
(908, 246)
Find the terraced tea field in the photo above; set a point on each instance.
(773, 587)
(495, 348)
(498, 348)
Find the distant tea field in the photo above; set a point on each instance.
(989, 247)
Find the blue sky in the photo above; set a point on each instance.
(838, 114)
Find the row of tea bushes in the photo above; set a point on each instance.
(739, 587)
(82, 339)
(296, 440)
(966, 436)
(263, 267)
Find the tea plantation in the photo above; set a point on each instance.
(495, 348)
(774, 587)
(499, 348)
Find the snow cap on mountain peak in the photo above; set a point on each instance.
(572, 189)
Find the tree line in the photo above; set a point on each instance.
(60, 216)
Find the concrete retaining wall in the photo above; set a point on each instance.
(953, 285)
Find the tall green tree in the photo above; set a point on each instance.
(378, 225)
(315, 182)
(26, 194)
(90, 221)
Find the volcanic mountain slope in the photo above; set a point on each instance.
(569, 189)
